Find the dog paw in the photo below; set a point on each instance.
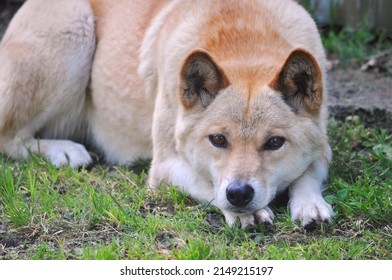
(263, 215)
(307, 212)
(63, 152)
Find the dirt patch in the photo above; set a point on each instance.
(367, 93)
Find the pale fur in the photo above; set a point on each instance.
(45, 63)
(132, 108)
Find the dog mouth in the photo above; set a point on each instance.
(242, 210)
(245, 210)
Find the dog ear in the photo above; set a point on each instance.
(300, 83)
(201, 80)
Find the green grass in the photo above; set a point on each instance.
(358, 44)
(108, 213)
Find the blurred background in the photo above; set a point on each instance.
(352, 14)
(352, 29)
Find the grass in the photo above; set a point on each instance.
(359, 44)
(107, 212)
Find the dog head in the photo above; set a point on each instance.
(248, 137)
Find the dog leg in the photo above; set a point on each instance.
(306, 201)
(46, 57)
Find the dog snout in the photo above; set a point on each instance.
(239, 193)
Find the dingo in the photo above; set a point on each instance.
(227, 97)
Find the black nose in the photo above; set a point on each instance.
(239, 193)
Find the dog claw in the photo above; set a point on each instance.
(264, 215)
(317, 212)
(248, 220)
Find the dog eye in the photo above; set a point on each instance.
(274, 143)
(218, 140)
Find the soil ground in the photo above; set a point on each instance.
(351, 89)
(367, 93)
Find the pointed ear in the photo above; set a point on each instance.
(201, 79)
(300, 83)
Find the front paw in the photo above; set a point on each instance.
(263, 215)
(308, 211)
